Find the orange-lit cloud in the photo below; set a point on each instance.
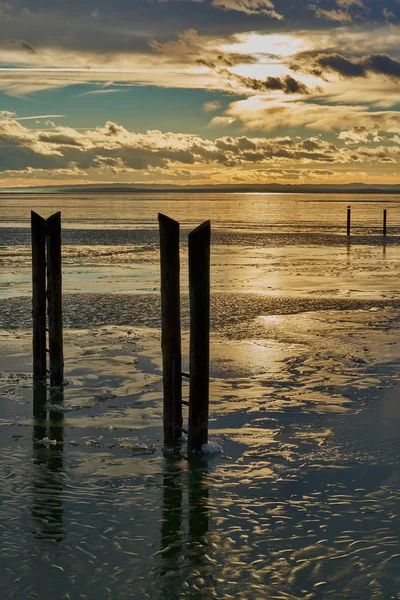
(112, 150)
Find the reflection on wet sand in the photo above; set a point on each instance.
(348, 252)
(184, 545)
(47, 452)
(198, 508)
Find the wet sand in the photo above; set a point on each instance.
(300, 498)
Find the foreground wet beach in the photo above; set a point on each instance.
(300, 498)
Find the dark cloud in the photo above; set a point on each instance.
(340, 64)
(127, 25)
(319, 64)
(226, 60)
(383, 65)
(285, 84)
(25, 46)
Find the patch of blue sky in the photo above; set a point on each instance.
(137, 108)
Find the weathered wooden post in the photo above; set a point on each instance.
(38, 225)
(39, 401)
(384, 221)
(199, 291)
(171, 328)
(54, 299)
(348, 220)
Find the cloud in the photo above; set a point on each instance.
(341, 16)
(382, 64)
(7, 114)
(114, 149)
(102, 91)
(242, 83)
(127, 27)
(342, 13)
(190, 47)
(38, 117)
(350, 40)
(389, 15)
(332, 69)
(5, 11)
(348, 3)
(24, 46)
(190, 60)
(211, 106)
(221, 121)
(250, 7)
(264, 114)
(173, 63)
(285, 84)
(59, 139)
(10, 115)
(360, 134)
(319, 64)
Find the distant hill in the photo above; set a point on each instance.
(132, 188)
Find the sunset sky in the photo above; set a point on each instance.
(199, 91)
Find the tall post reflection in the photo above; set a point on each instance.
(348, 252)
(39, 402)
(198, 501)
(184, 527)
(47, 453)
(171, 524)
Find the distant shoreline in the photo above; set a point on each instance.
(67, 190)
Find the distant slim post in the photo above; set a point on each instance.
(384, 221)
(171, 328)
(199, 291)
(38, 297)
(348, 220)
(54, 299)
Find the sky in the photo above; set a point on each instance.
(199, 92)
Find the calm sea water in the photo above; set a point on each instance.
(300, 497)
(247, 211)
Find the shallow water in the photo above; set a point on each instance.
(301, 500)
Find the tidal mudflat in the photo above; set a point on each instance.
(300, 497)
